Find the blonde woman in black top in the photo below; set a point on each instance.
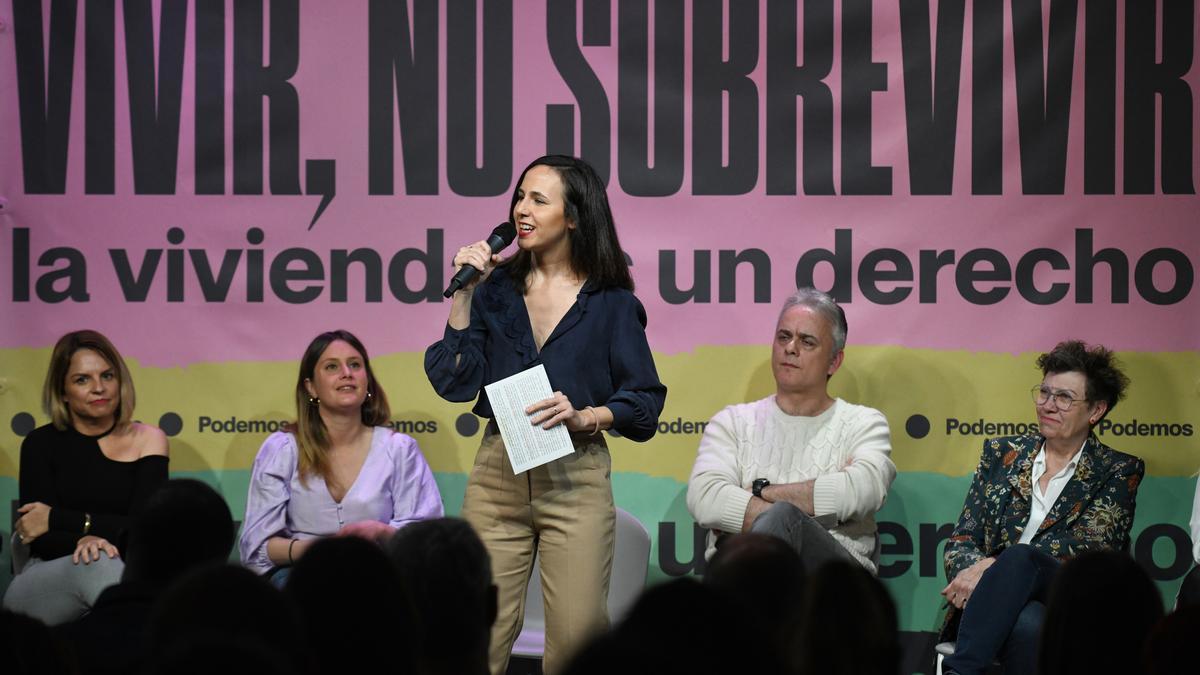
(81, 476)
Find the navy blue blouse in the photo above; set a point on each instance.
(597, 355)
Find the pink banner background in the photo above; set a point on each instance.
(331, 83)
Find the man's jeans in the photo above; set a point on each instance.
(810, 539)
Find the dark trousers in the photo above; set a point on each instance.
(1004, 615)
(1189, 590)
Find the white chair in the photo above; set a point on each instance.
(944, 649)
(631, 555)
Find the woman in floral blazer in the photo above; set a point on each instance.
(1035, 501)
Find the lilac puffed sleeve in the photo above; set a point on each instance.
(267, 501)
(415, 495)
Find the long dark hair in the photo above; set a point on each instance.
(595, 250)
(312, 438)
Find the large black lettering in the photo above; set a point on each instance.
(254, 265)
(1181, 560)
(860, 77)
(839, 259)
(1143, 276)
(135, 287)
(594, 116)
(74, 273)
(1085, 264)
(1100, 97)
(727, 264)
(175, 262)
(430, 259)
(666, 551)
(154, 110)
(45, 105)
(966, 276)
(403, 74)
(634, 170)
(786, 81)
(210, 97)
(20, 264)
(900, 545)
(1146, 79)
(252, 82)
(372, 273)
(931, 96)
(869, 276)
(712, 78)
(462, 131)
(1027, 266)
(1043, 103)
(282, 274)
(215, 287)
(668, 286)
(930, 263)
(987, 97)
(99, 98)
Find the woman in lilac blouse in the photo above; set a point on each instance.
(337, 471)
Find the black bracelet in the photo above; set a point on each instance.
(290, 560)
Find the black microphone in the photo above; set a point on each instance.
(501, 237)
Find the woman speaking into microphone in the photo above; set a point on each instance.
(565, 301)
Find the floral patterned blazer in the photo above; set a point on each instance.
(1094, 511)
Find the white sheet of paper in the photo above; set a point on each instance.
(528, 445)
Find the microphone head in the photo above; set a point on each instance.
(506, 231)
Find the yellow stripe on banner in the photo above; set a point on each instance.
(940, 404)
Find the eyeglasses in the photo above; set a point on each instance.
(1062, 400)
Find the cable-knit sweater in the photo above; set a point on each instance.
(846, 449)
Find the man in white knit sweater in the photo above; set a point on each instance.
(800, 464)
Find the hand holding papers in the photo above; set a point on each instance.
(528, 446)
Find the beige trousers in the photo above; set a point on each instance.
(564, 512)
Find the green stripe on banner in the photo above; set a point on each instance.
(919, 513)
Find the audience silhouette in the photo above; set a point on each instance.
(354, 611)
(184, 524)
(226, 619)
(425, 604)
(849, 624)
(1101, 609)
(447, 574)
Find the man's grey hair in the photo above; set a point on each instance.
(826, 307)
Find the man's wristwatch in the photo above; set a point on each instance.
(758, 485)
